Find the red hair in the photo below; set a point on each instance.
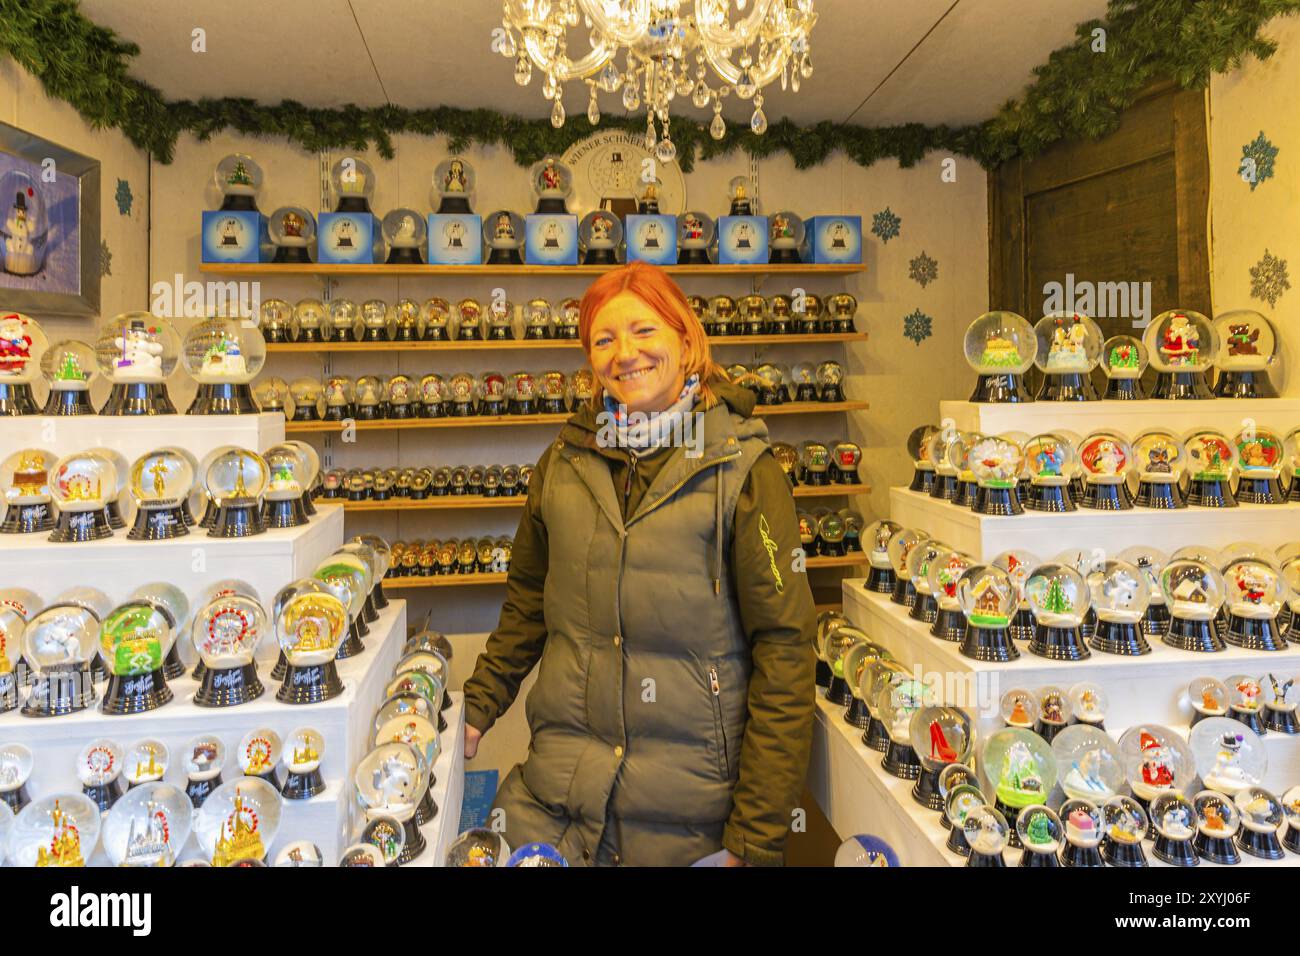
(653, 286)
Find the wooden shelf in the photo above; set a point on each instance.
(474, 421)
(268, 269)
(851, 560)
(445, 580)
(830, 491)
(493, 345)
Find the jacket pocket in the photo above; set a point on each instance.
(719, 725)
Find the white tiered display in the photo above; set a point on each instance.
(846, 777)
(193, 562)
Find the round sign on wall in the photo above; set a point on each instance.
(611, 169)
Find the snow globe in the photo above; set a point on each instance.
(453, 187)
(1084, 829)
(503, 234)
(1217, 822)
(1124, 359)
(951, 776)
(901, 545)
(1245, 701)
(1247, 349)
(259, 754)
(1041, 834)
(862, 850)
(1279, 712)
(160, 482)
(25, 480)
(1150, 562)
(943, 574)
(898, 700)
(16, 763)
(1208, 697)
(1125, 826)
(99, 768)
(1069, 348)
(1019, 708)
(348, 581)
(391, 780)
(238, 177)
(405, 231)
(478, 847)
(599, 235)
(1181, 346)
(552, 182)
(307, 399)
(235, 480)
(877, 676)
(203, 759)
(146, 762)
(1018, 564)
(880, 574)
(1229, 755)
(1058, 598)
(1291, 806)
(407, 321)
(918, 449)
(926, 607)
(435, 319)
(830, 375)
(842, 309)
(1174, 819)
(292, 229)
(136, 352)
(944, 486)
(377, 323)
(959, 459)
(1255, 595)
(223, 355)
(344, 318)
(134, 640)
(1089, 763)
(986, 831)
(1000, 347)
(353, 183)
(1156, 761)
(275, 319)
(834, 646)
(238, 822)
(68, 367)
(1194, 591)
(1259, 466)
(1105, 458)
(226, 632)
(995, 461)
(1120, 594)
(273, 394)
(81, 485)
(961, 800)
(1018, 769)
(1262, 816)
(694, 234)
(1291, 463)
(1050, 461)
(785, 234)
(148, 826)
(23, 346)
(988, 599)
(59, 830)
(308, 321)
(1053, 712)
(1158, 461)
(310, 623)
(302, 757)
(940, 736)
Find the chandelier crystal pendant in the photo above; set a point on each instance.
(703, 50)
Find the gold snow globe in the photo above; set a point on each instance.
(306, 400)
(310, 623)
(469, 320)
(353, 184)
(307, 323)
(238, 822)
(59, 830)
(292, 230)
(302, 756)
(81, 485)
(236, 480)
(435, 317)
(160, 483)
(25, 482)
(344, 320)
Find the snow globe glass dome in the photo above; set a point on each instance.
(1120, 595)
(1211, 463)
(1126, 825)
(310, 623)
(1158, 460)
(918, 449)
(344, 318)
(160, 482)
(834, 649)
(940, 736)
(236, 480)
(238, 178)
(861, 850)
(99, 769)
(226, 632)
(987, 833)
(1084, 830)
(785, 232)
(1291, 806)
(292, 230)
(404, 230)
(875, 540)
(306, 398)
(1069, 348)
(1058, 598)
(275, 319)
(391, 780)
(283, 499)
(1229, 755)
(1105, 458)
(1181, 345)
(1050, 461)
(148, 826)
(22, 352)
(1041, 833)
(1089, 763)
(1124, 359)
(16, 764)
(1208, 697)
(1173, 817)
(988, 600)
(136, 352)
(376, 321)
(599, 235)
(1217, 821)
(1260, 457)
(1018, 564)
(1088, 704)
(1246, 700)
(407, 319)
(308, 323)
(1018, 768)
(942, 575)
(1262, 816)
(1194, 590)
(353, 183)
(695, 231)
(958, 451)
(58, 830)
(901, 545)
(223, 355)
(925, 553)
(238, 821)
(552, 182)
(897, 700)
(302, 759)
(1000, 346)
(81, 485)
(69, 366)
(452, 189)
(26, 224)
(478, 847)
(1247, 349)
(503, 234)
(996, 461)
(1256, 591)
(348, 577)
(25, 482)
(134, 640)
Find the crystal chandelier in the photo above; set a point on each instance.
(702, 49)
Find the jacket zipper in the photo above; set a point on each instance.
(715, 687)
(677, 487)
(627, 481)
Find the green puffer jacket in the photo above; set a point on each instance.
(672, 713)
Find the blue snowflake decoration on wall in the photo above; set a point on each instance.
(923, 269)
(884, 225)
(1257, 160)
(917, 326)
(1269, 279)
(123, 197)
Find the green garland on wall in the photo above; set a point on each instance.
(1078, 93)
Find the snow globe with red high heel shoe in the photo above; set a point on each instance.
(940, 736)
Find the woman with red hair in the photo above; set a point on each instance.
(653, 585)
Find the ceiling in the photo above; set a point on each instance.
(878, 62)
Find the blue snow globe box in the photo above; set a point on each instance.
(236, 230)
(551, 239)
(347, 235)
(455, 239)
(833, 239)
(742, 240)
(652, 238)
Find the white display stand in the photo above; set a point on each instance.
(449, 790)
(1044, 535)
(133, 435)
(1228, 415)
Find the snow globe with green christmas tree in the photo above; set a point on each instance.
(69, 367)
(1000, 346)
(1123, 359)
(1058, 598)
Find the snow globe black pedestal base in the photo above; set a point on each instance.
(138, 398)
(1182, 386)
(988, 644)
(1124, 638)
(223, 398)
(881, 580)
(1160, 495)
(229, 686)
(135, 694)
(1053, 499)
(1058, 643)
(309, 683)
(1254, 633)
(1003, 389)
(68, 401)
(1187, 634)
(1210, 493)
(1260, 491)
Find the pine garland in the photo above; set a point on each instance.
(1077, 93)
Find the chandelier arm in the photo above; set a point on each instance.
(629, 34)
(741, 35)
(566, 69)
(729, 72)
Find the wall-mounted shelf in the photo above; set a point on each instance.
(474, 421)
(493, 345)
(269, 269)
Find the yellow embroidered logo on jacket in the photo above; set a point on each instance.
(770, 546)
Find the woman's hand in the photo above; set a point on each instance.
(472, 736)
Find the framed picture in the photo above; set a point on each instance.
(49, 227)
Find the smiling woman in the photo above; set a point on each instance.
(672, 714)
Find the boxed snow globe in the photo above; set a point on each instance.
(69, 367)
(1260, 455)
(136, 352)
(1211, 463)
(1158, 461)
(1194, 590)
(1000, 347)
(1124, 359)
(1051, 462)
(1181, 345)
(1069, 348)
(1058, 598)
(1247, 349)
(1120, 594)
(988, 599)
